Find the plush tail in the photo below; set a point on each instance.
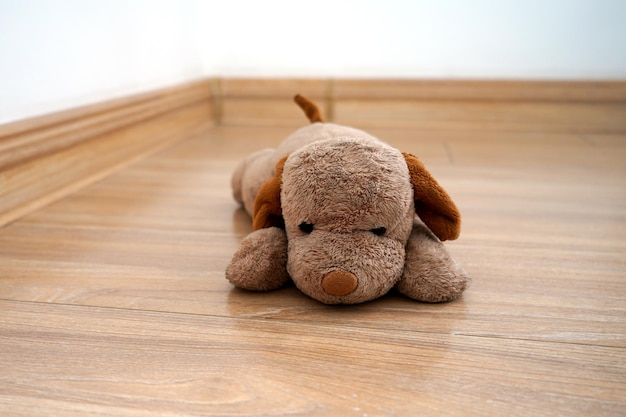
(310, 109)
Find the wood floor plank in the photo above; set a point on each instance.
(70, 360)
(159, 236)
(113, 300)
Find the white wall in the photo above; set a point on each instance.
(56, 54)
(538, 39)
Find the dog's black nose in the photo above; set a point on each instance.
(339, 283)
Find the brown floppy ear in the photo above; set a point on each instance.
(267, 209)
(432, 204)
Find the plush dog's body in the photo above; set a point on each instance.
(334, 209)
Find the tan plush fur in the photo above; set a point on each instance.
(336, 210)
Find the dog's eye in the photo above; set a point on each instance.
(306, 227)
(379, 231)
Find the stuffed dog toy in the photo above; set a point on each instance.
(346, 217)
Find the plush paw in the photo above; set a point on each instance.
(260, 263)
(430, 274)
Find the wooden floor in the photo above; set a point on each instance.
(113, 301)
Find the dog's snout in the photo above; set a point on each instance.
(339, 283)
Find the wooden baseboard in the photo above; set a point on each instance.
(552, 106)
(46, 158)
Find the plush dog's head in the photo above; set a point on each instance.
(348, 211)
(347, 206)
